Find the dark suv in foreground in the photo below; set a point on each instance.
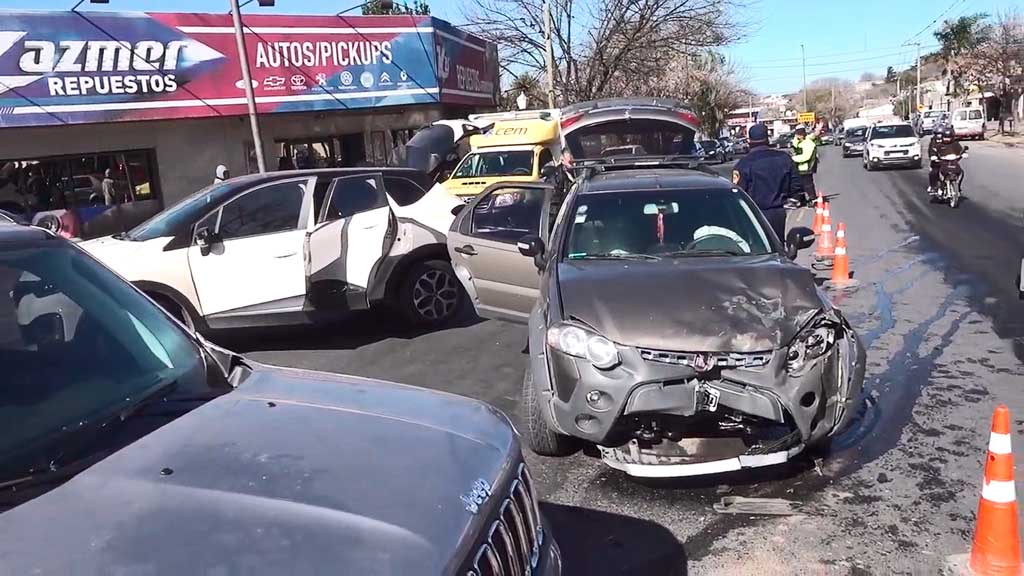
(130, 445)
(668, 326)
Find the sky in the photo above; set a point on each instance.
(842, 38)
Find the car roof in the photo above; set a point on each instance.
(241, 184)
(652, 179)
(12, 232)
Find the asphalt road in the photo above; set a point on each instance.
(936, 305)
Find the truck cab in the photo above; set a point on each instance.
(515, 149)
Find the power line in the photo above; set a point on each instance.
(831, 54)
(832, 63)
(935, 21)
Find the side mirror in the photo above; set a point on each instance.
(532, 247)
(205, 239)
(798, 238)
(966, 148)
(458, 208)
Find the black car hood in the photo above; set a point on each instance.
(292, 473)
(691, 304)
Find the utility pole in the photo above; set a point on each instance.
(833, 115)
(250, 99)
(899, 95)
(550, 54)
(803, 60)
(918, 75)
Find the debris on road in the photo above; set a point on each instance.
(757, 506)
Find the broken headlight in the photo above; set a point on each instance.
(582, 343)
(813, 342)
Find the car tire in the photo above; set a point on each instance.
(431, 295)
(541, 437)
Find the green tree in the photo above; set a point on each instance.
(958, 40)
(418, 8)
(890, 75)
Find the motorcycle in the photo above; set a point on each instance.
(950, 176)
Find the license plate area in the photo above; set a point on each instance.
(705, 397)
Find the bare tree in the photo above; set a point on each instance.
(604, 47)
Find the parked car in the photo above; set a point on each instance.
(741, 145)
(729, 146)
(295, 247)
(968, 123)
(891, 144)
(853, 141)
(827, 138)
(132, 445)
(631, 348)
(783, 141)
(928, 120)
(627, 150)
(714, 151)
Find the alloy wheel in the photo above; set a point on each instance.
(435, 295)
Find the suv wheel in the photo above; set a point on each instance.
(431, 294)
(541, 437)
(174, 309)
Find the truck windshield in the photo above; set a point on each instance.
(665, 223)
(496, 163)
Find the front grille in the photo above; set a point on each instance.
(513, 543)
(711, 359)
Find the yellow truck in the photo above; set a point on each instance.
(515, 149)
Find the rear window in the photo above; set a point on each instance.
(856, 132)
(898, 131)
(974, 115)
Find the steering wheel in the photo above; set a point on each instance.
(714, 242)
(521, 171)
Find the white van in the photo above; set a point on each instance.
(969, 123)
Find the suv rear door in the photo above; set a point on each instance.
(351, 235)
(660, 126)
(501, 282)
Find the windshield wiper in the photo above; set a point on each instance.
(707, 252)
(610, 256)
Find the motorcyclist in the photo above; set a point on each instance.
(943, 143)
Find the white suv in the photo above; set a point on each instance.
(295, 247)
(891, 144)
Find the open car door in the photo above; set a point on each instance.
(347, 242)
(629, 127)
(501, 282)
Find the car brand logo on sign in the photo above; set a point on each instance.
(298, 80)
(346, 78)
(477, 495)
(273, 82)
(403, 76)
(385, 78)
(366, 79)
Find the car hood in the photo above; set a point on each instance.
(293, 472)
(691, 304)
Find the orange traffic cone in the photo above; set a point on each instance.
(996, 548)
(841, 263)
(826, 244)
(819, 213)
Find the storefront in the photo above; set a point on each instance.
(103, 108)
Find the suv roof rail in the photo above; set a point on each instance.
(588, 167)
(547, 114)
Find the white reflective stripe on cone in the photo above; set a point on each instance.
(999, 443)
(840, 251)
(1000, 492)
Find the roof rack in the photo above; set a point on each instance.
(547, 114)
(589, 167)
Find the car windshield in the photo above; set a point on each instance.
(709, 144)
(856, 132)
(497, 163)
(664, 223)
(170, 221)
(895, 131)
(78, 347)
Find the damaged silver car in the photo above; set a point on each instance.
(668, 326)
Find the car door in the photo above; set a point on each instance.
(252, 263)
(347, 242)
(501, 282)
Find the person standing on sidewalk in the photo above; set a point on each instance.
(770, 178)
(806, 159)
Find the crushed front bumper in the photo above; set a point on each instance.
(657, 414)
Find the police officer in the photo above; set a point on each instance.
(770, 178)
(806, 159)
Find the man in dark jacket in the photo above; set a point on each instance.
(562, 177)
(770, 178)
(943, 143)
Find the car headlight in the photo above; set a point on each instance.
(813, 342)
(582, 343)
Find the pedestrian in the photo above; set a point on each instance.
(562, 177)
(107, 188)
(221, 174)
(806, 159)
(769, 177)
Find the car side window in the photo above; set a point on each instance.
(403, 191)
(266, 210)
(508, 214)
(545, 157)
(352, 195)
